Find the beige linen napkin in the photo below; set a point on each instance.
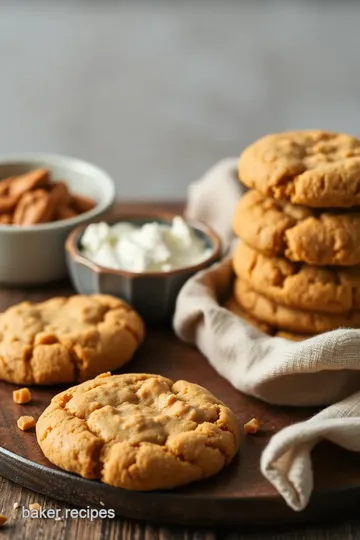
(318, 371)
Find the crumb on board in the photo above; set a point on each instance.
(3, 520)
(35, 506)
(16, 505)
(58, 518)
(103, 375)
(102, 504)
(26, 422)
(252, 426)
(22, 396)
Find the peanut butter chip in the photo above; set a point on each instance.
(26, 422)
(252, 426)
(3, 520)
(22, 396)
(103, 375)
(35, 506)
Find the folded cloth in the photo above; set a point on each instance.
(317, 371)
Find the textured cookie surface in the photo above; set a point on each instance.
(233, 306)
(286, 318)
(299, 233)
(138, 431)
(67, 339)
(298, 285)
(314, 168)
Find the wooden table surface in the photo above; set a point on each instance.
(19, 528)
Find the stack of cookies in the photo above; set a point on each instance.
(297, 263)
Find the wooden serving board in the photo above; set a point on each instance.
(237, 495)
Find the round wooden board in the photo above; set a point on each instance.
(237, 495)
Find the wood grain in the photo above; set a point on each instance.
(239, 494)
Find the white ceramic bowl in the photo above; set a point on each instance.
(35, 254)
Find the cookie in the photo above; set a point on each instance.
(67, 339)
(286, 318)
(301, 286)
(138, 431)
(233, 306)
(298, 233)
(313, 168)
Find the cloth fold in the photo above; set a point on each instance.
(322, 370)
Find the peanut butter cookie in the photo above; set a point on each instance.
(313, 168)
(138, 431)
(233, 306)
(299, 233)
(286, 318)
(298, 285)
(67, 339)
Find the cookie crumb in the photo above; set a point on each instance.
(58, 518)
(171, 399)
(3, 520)
(103, 375)
(22, 396)
(16, 505)
(102, 504)
(35, 506)
(252, 426)
(26, 422)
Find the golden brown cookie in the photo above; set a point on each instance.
(302, 235)
(233, 306)
(291, 336)
(138, 431)
(298, 285)
(286, 318)
(67, 339)
(313, 168)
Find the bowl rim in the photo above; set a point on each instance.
(77, 256)
(50, 160)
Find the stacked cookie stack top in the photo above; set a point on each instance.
(297, 263)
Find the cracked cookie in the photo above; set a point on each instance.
(67, 339)
(138, 431)
(233, 306)
(291, 319)
(301, 234)
(313, 168)
(301, 286)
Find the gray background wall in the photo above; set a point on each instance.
(156, 91)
